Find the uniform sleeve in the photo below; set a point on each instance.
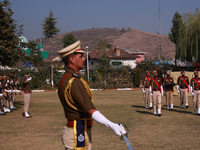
(80, 96)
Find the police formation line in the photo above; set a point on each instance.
(152, 88)
(9, 88)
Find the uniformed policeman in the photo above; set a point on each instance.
(77, 101)
(168, 86)
(183, 89)
(195, 90)
(157, 90)
(27, 96)
(6, 94)
(1, 97)
(146, 90)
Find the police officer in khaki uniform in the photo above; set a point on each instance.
(157, 90)
(168, 86)
(146, 89)
(77, 101)
(183, 89)
(195, 90)
(27, 96)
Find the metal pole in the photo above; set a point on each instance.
(87, 66)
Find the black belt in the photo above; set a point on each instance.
(196, 88)
(156, 89)
(183, 87)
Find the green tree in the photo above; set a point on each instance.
(10, 52)
(103, 66)
(174, 35)
(68, 40)
(49, 31)
(137, 77)
(35, 57)
(103, 44)
(190, 36)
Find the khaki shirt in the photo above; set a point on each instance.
(79, 96)
(146, 83)
(194, 84)
(168, 80)
(26, 87)
(154, 85)
(181, 83)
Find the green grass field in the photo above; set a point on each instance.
(174, 130)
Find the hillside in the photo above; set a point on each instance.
(130, 38)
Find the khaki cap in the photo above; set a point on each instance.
(182, 71)
(73, 48)
(196, 71)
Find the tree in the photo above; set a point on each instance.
(10, 52)
(103, 44)
(68, 40)
(35, 57)
(49, 31)
(103, 66)
(174, 36)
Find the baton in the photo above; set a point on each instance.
(125, 137)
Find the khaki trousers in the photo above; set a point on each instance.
(68, 139)
(6, 99)
(147, 96)
(27, 101)
(183, 96)
(12, 100)
(156, 100)
(169, 97)
(196, 99)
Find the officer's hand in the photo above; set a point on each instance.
(118, 129)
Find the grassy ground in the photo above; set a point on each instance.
(178, 129)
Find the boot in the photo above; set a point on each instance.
(159, 112)
(155, 113)
(172, 107)
(27, 115)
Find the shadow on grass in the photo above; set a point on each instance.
(179, 111)
(18, 104)
(145, 112)
(136, 106)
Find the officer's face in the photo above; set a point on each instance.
(155, 74)
(79, 61)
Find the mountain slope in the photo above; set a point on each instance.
(130, 38)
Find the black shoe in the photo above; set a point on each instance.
(186, 107)
(159, 115)
(150, 108)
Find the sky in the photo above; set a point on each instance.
(74, 15)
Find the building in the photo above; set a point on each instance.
(119, 57)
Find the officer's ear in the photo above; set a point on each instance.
(72, 58)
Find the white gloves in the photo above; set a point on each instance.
(143, 90)
(178, 89)
(29, 79)
(151, 92)
(118, 129)
(161, 90)
(192, 91)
